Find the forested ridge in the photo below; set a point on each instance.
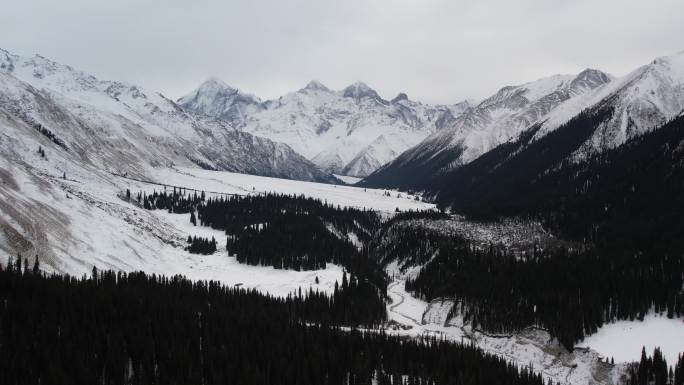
(117, 328)
(569, 292)
(627, 199)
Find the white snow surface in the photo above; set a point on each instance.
(342, 195)
(623, 340)
(79, 222)
(347, 179)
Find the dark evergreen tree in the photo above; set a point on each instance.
(36, 267)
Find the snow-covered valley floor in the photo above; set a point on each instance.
(623, 340)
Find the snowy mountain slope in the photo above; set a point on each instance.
(353, 130)
(123, 128)
(641, 101)
(78, 222)
(595, 122)
(493, 121)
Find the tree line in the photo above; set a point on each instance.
(177, 201)
(234, 213)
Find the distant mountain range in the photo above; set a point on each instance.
(311, 133)
(351, 132)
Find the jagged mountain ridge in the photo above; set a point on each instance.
(123, 128)
(352, 131)
(493, 121)
(638, 102)
(642, 100)
(617, 113)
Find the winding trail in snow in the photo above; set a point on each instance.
(394, 294)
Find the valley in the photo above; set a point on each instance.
(153, 241)
(536, 232)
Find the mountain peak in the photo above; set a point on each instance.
(590, 78)
(359, 85)
(216, 99)
(316, 85)
(361, 90)
(670, 66)
(591, 73)
(215, 83)
(401, 96)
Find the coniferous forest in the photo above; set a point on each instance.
(117, 328)
(286, 232)
(654, 370)
(569, 292)
(291, 232)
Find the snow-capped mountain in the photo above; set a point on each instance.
(123, 128)
(352, 131)
(585, 125)
(217, 99)
(480, 128)
(640, 101)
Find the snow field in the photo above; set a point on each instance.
(623, 340)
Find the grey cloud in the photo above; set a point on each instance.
(437, 51)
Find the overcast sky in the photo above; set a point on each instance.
(437, 51)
